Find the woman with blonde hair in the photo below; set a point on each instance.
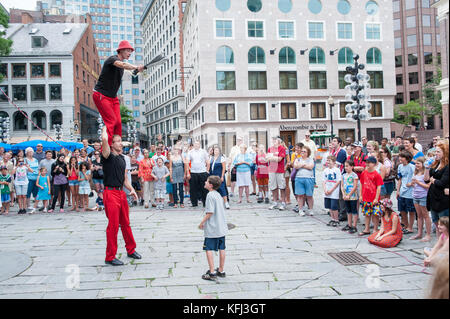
(242, 162)
(437, 176)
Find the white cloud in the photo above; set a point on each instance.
(23, 4)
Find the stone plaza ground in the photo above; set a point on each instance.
(270, 254)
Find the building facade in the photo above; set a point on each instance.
(442, 15)
(164, 87)
(112, 22)
(50, 76)
(417, 52)
(267, 68)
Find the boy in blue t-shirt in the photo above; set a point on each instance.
(405, 173)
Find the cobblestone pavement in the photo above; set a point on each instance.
(270, 254)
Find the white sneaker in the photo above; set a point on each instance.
(274, 206)
(310, 213)
(301, 213)
(32, 210)
(282, 207)
(227, 206)
(45, 210)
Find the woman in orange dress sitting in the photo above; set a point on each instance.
(390, 233)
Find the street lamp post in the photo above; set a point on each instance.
(358, 83)
(100, 126)
(4, 129)
(58, 131)
(331, 104)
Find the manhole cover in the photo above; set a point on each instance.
(350, 258)
(13, 264)
(231, 226)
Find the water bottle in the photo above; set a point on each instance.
(429, 162)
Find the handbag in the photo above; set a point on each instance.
(293, 174)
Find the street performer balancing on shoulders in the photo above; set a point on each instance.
(115, 199)
(109, 81)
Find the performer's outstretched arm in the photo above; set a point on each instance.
(128, 66)
(106, 150)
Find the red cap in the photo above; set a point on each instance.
(124, 45)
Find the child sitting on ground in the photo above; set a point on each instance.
(215, 228)
(390, 233)
(441, 246)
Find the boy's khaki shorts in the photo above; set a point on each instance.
(277, 180)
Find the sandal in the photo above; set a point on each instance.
(407, 231)
(181, 206)
(363, 233)
(416, 237)
(175, 206)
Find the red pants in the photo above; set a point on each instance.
(116, 208)
(109, 109)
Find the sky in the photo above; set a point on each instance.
(19, 4)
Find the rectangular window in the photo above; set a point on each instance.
(398, 61)
(377, 109)
(224, 28)
(227, 112)
(19, 71)
(398, 43)
(345, 31)
(55, 92)
(286, 30)
(426, 20)
(4, 70)
(257, 80)
(19, 92)
(255, 29)
(427, 39)
(225, 80)
(410, 4)
(288, 111)
(412, 59)
(373, 31)
(425, 3)
(376, 79)
(411, 40)
(429, 76)
(318, 110)
(258, 111)
(3, 98)
(341, 80)
(411, 22)
(399, 98)
(413, 77)
(396, 6)
(315, 30)
(397, 24)
(342, 111)
(37, 92)
(414, 95)
(428, 58)
(317, 80)
(288, 80)
(260, 137)
(399, 79)
(37, 70)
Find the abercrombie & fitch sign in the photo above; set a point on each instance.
(303, 127)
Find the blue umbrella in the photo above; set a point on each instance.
(7, 147)
(71, 146)
(52, 146)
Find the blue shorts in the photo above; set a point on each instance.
(330, 203)
(6, 198)
(169, 188)
(32, 189)
(252, 169)
(436, 215)
(421, 201)
(406, 205)
(74, 183)
(304, 186)
(97, 181)
(214, 244)
(387, 188)
(351, 206)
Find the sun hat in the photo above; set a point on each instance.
(357, 144)
(124, 45)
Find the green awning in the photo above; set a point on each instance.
(318, 135)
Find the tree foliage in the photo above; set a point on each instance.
(126, 114)
(432, 97)
(5, 44)
(408, 113)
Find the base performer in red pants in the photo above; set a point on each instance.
(105, 91)
(115, 199)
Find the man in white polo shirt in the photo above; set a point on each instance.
(198, 174)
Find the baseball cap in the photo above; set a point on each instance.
(372, 159)
(3, 167)
(357, 144)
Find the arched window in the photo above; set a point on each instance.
(4, 114)
(20, 122)
(316, 56)
(285, 6)
(256, 55)
(286, 56)
(55, 118)
(40, 118)
(373, 56)
(225, 55)
(345, 56)
(254, 5)
(315, 6)
(223, 5)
